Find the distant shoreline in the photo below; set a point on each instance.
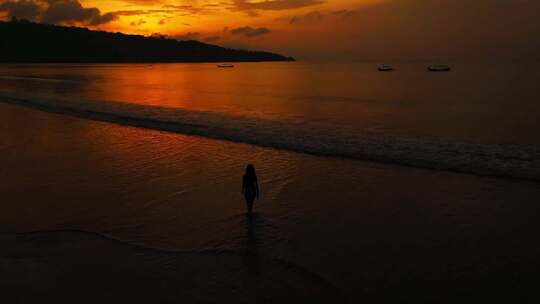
(27, 42)
(135, 62)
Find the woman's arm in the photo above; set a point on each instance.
(243, 185)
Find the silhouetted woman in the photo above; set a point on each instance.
(250, 187)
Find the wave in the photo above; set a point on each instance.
(38, 79)
(498, 160)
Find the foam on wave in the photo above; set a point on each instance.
(500, 160)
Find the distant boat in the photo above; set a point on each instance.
(438, 68)
(385, 68)
(225, 65)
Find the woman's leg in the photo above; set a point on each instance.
(249, 204)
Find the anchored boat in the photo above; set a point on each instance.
(385, 68)
(439, 68)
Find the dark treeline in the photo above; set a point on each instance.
(27, 42)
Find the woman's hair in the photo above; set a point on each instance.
(250, 173)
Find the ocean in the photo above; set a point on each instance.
(479, 118)
(396, 186)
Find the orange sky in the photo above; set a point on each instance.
(211, 16)
(244, 24)
(387, 30)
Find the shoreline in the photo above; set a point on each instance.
(482, 160)
(376, 233)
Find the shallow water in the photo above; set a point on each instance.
(375, 232)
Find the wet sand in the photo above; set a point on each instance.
(164, 221)
(81, 267)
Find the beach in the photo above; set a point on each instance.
(115, 212)
(269, 151)
(68, 266)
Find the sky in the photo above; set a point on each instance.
(319, 30)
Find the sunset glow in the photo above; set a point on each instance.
(269, 151)
(313, 29)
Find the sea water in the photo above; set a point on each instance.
(127, 171)
(479, 118)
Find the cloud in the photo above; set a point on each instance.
(185, 7)
(315, 16)
(25, 9)
(144, 2)
(248, 31)
(138, 23)
(130, 13)
(274, 5)
(450, 29)
(345, 13)
(423, 30)
(71, 11)
(191, 9)
(56, 12)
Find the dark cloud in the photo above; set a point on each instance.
(55, 12)
(26, 9)
(130, 13)
(423, 30)
(138, 23)
(345, 13)
(190, 9)
(186, 7)
(144, 2)
(71, 11)
(274, 5)
(317, 16)
(164, 13)
(451, 29)
(248, 31)
(307, 18)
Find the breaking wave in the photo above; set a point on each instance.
(500, 160)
